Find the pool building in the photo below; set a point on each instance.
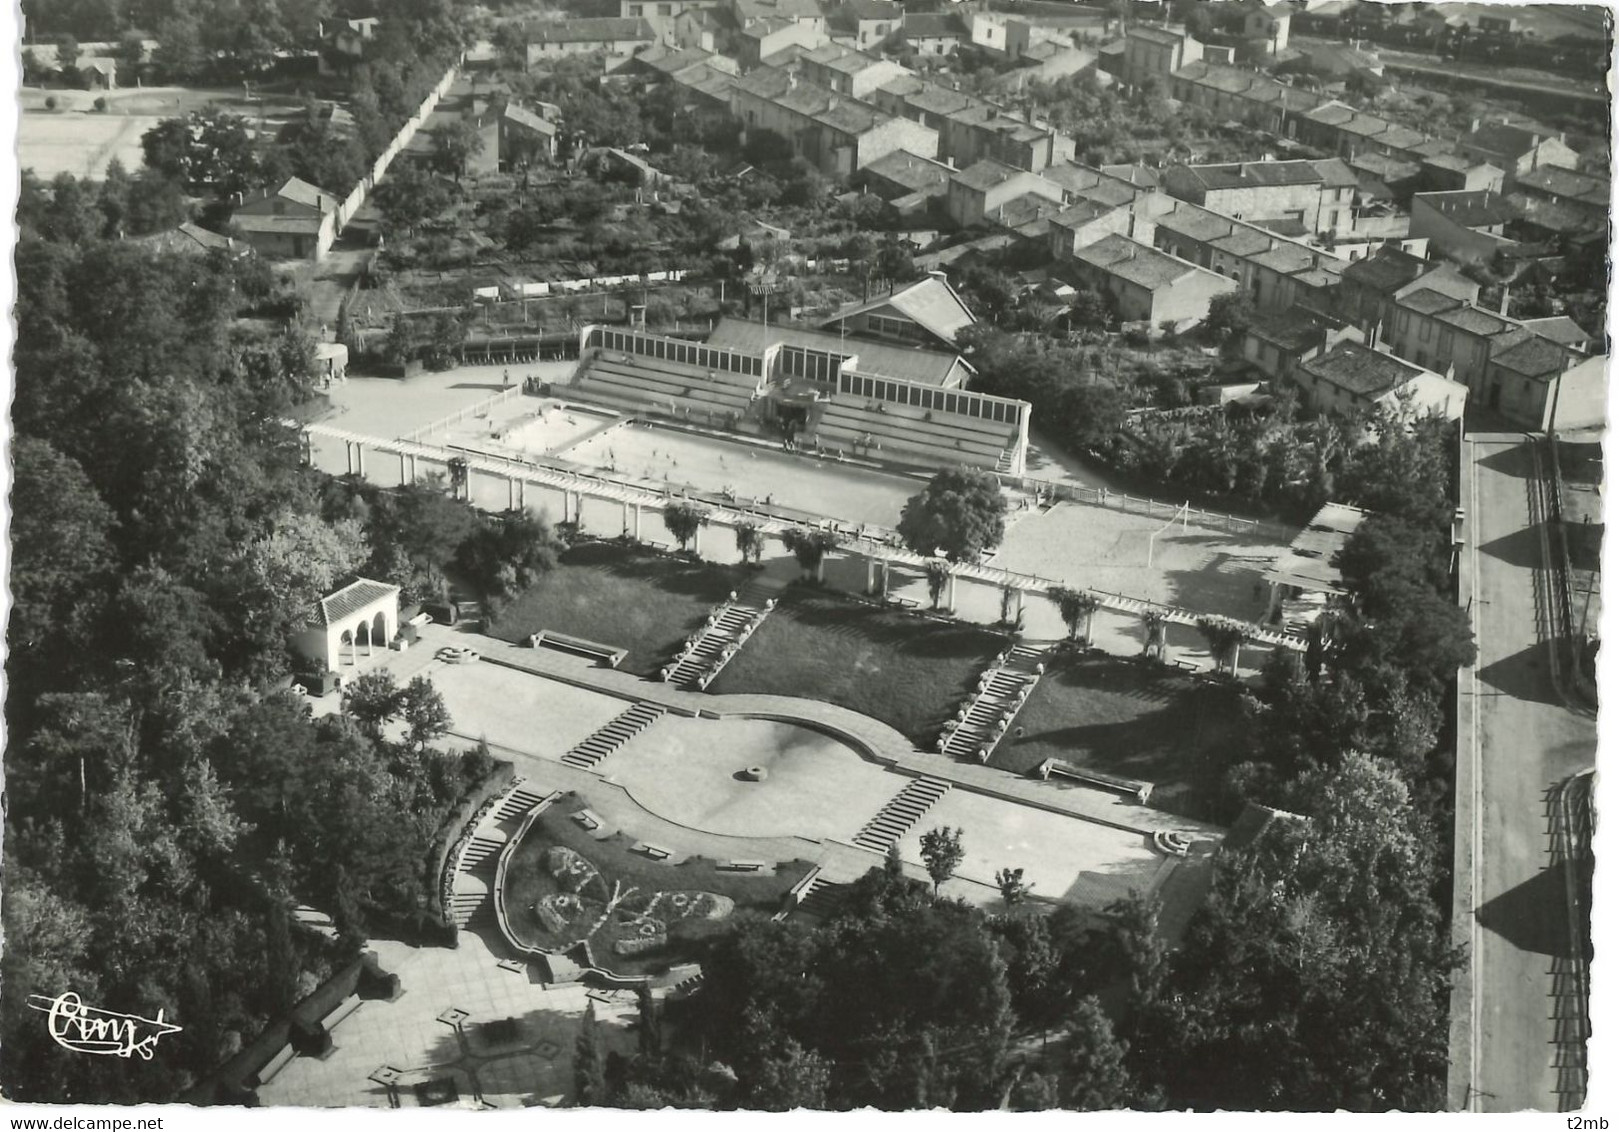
(856, 397)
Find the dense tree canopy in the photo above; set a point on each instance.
(960, 513)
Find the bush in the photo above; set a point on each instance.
(50, 102)
(101, 105)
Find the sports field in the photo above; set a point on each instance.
(79, 143)
(1097, 547)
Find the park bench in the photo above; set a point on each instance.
(742, 866)
(608, 655)
(272, 1068)
(906, 602)
(1140, 791)
(1184, 665)
(341, 1011)
(588, 819)
(656, 852)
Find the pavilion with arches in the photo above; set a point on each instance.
(348, 627)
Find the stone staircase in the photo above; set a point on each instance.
(903, 811)
(520, 801)
(468, 909)
(729, 625)
(613, 735)
(481, 852)
(981, 722)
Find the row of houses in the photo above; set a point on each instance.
(1490, 155)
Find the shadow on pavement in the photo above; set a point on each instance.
(1513, 462)
(1534, 915)
(1523, 675)
(1521, 548)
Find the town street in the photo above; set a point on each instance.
(1526, 741)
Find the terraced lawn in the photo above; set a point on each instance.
(910, 672)
(1135, 719)
(622, 596)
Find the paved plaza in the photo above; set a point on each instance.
(435, 1031)
(815, 786)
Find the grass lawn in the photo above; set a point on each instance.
(908, 671)
(624, 597)
(673, 903)
(1132, 719)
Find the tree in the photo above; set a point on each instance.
(426, 716)
(373, 698)
(1094, 1077)
(893, 262)
(456, 143)
(1225, 639)
(938, 578)
(684, 521)
(750, 542)
(67, 59)
(1013, 889)
(1076, 607)
(1154, 633)
(1230, 315)
(810, 548)
(961, 512)
(941, 853)
(589, 1079)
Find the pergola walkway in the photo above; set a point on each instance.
(881, 553)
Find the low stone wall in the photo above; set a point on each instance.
(456, 831)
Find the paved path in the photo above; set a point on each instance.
(1525, 742)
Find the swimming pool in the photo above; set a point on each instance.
(670, 459)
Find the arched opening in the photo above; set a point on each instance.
(362, 636)
(346, 640)
(379, 629)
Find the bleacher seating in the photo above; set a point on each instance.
(639, 383)
(909, 433)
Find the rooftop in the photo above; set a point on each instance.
(1501, 138)
(1135, 262)
(351, 599)
(1360, 371)
(903, 167)
(593, 29)
(986, 174)
(930, 302)
(1557, 182)
(1291, 330)
(932, 25)
(879, 359)
(1471, 208)
(1537, 357)
(1559, 328)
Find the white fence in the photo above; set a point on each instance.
(346, 210)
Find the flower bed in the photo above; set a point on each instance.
(563, 889)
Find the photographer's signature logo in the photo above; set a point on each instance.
(88, 1029)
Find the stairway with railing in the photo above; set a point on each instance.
(1002, 690)
(703, 656)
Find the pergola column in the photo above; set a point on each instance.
(637, 522)
(359, 458)
(886, 566)
(348, 455)
(624, 516)
(697, 542)
(579, 510)
(871, 575)
(403, 481)
(511, 493)
(950, 598)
